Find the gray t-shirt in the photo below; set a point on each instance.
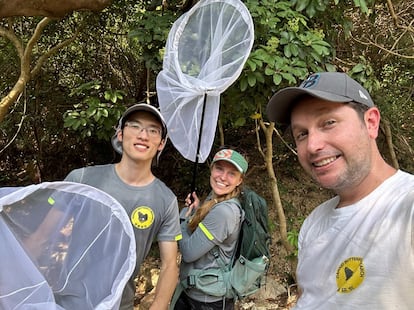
(220, 228)
(152, 209)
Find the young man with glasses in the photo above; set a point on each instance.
(152, 207)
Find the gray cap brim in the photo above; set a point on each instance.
(329, 86)
(281, 103)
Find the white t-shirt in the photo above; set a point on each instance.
(360, 256)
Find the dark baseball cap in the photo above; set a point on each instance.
(331, 86)
(117, 145)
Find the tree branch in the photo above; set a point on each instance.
(19, 127)
(392, 11)
(382, 48)
(9, 34)
(396, 18)
(53, 51)
(33, 40)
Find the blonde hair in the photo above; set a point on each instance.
(203, 210)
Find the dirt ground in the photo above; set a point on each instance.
(274, 295)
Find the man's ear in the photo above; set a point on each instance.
(119, 135)
(372, 121)
(162, 145)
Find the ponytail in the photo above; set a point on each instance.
(203, 210)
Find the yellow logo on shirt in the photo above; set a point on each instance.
(350, 274)
(142, 217)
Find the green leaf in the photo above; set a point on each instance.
(74, 114)
(76, 124)
(240, 122)
(315, 56)
(90, 113)
(363, 6)
(289, 77)
(259, 77)
(294, 49)
(319, 49)
(330, 67)
(243, 84)
(287, 51)
(311, 11)
(251, 79)
(251, 64)
(358, 68)
(269, 71)
(277, 79)
(107, 95)
(256, 116)
(301, 5)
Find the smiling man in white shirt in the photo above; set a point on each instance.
(356, 250)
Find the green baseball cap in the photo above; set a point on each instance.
(232, 157)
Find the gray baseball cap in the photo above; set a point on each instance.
(331, 86)
(116, 144)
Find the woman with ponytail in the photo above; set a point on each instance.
(212, 229)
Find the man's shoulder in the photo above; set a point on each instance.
(99, 167)
(323, 209)
(163, 188)
(405, 178)
(80, 173)
(94, 168)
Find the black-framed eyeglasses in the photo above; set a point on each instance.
(137, 128)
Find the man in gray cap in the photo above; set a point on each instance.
(152, 207)
(356, 250)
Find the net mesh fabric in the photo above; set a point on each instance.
(63, 245)
(205, 53)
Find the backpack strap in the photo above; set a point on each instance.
(179, 289)
(215, 252)
(188, 282)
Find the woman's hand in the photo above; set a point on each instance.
(192, 204)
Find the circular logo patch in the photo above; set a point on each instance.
(142, 217)
(350, 274)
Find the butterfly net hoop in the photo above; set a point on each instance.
(206, 50)
(63, 245)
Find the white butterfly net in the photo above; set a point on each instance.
(63, 245)
(205, 53)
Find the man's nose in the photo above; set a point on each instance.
(315, 141)
(143, 133)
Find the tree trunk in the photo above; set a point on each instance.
(12, 96)
(273, 185)
(25, 54)
(386, 128)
